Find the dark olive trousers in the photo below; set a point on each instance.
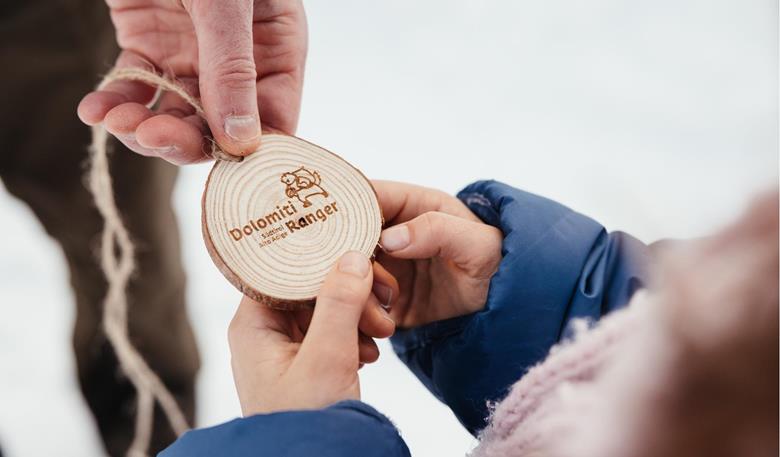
(51, 54)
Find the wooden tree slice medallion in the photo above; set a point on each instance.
(276, 222)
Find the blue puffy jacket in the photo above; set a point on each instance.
(557, 265)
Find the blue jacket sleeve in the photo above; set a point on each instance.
(557, 265)
(346, 429)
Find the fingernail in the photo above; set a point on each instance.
(167, 150)
(395, 238)
(385, 313)
(354, 263)
(127, 138)
(384, 294)
(242, 128)
(130, 141)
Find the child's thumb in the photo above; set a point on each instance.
(331, 342)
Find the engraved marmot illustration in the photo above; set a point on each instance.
(302, 183)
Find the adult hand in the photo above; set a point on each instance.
(442, 255)
(243, 58)
(310, 359)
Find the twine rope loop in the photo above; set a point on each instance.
(117, 260)
(165, 84)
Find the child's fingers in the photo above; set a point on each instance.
(470, 245)
(375, 321)
(385, 285)
(403, 271)
(401, 202)
(367, 349)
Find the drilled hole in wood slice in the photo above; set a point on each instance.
(276, 222)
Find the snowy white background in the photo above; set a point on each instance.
(659, 118)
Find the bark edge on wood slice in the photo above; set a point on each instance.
(276, 222)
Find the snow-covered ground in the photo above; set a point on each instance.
(657, 118)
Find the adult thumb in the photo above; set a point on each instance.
(331, 341)
(227, 72)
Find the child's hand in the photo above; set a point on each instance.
(309, 359)
(442, 255)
